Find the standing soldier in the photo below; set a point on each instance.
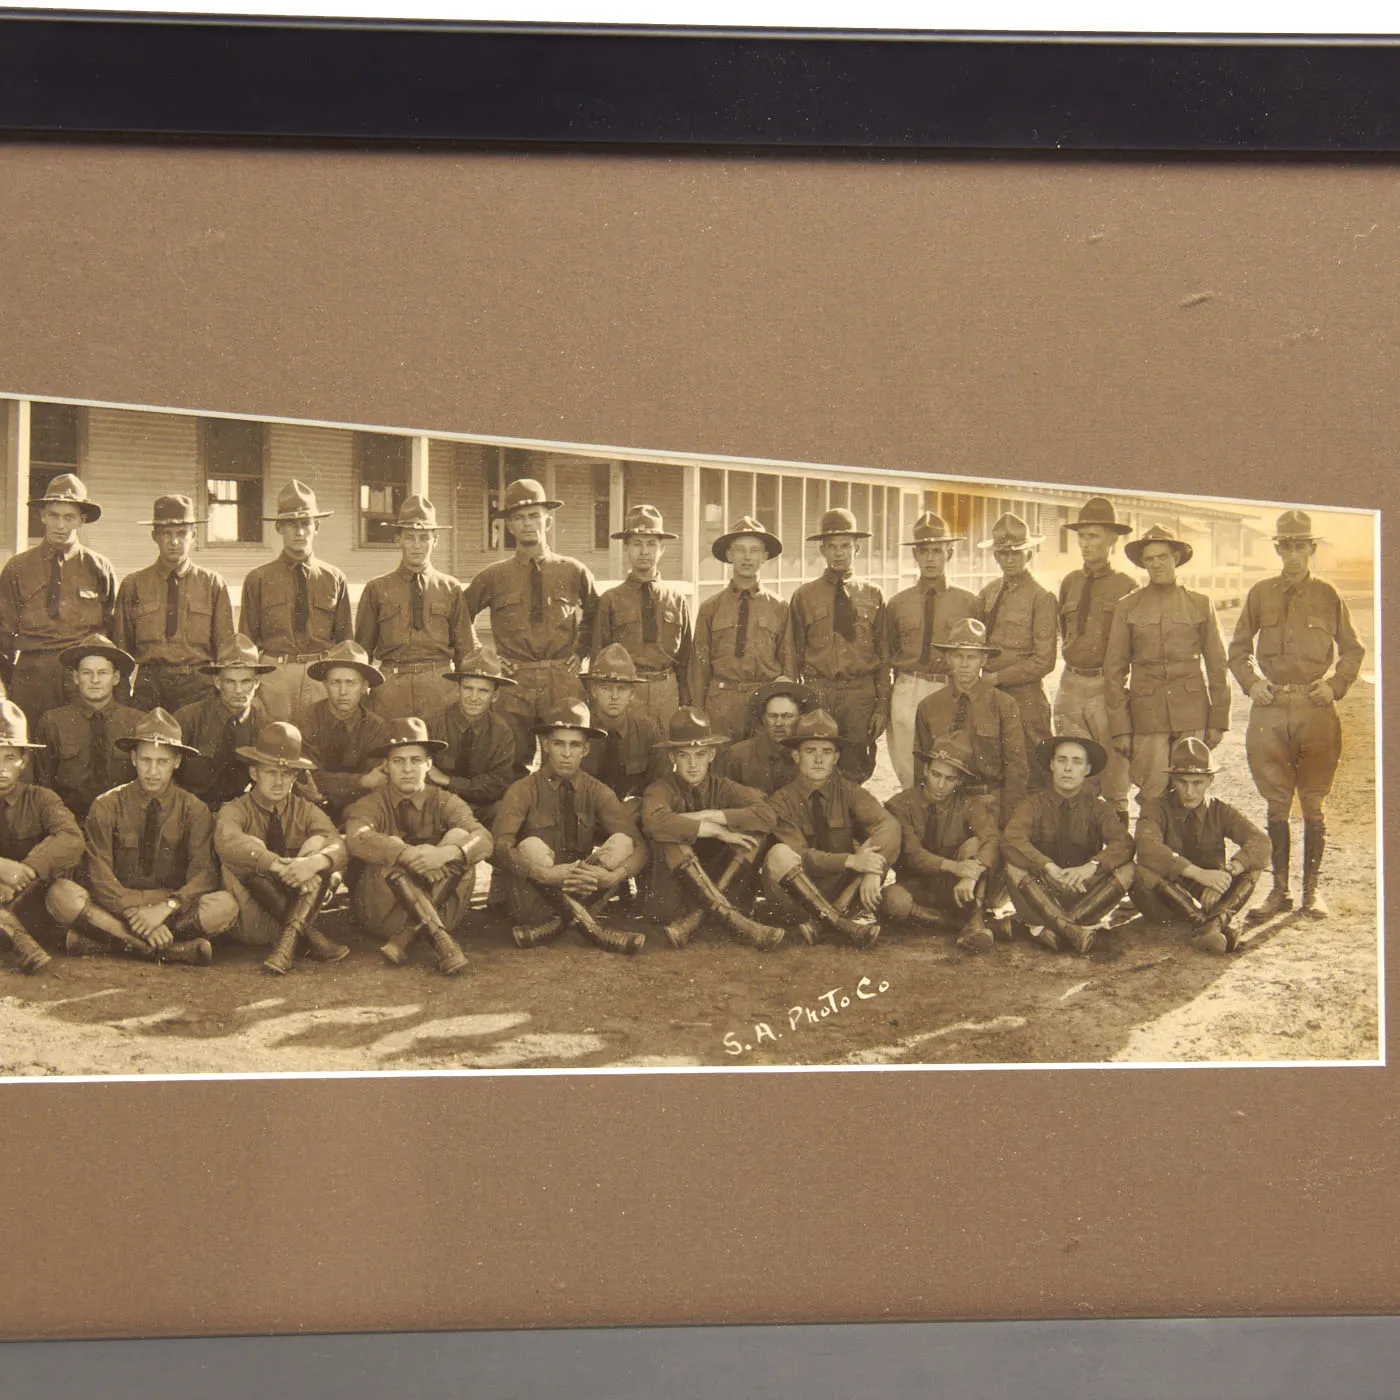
(478, 764)
(625, 758)
(414, 622)
(173, 616)
(765, 761)
(1160, 638)
(651, 620)
(1293, 627)
(837, 633)
(340, 732)
(914, 620)
(740, 632)
(542, 607)
(1019, 616)
(296, 608)
(51, 596)
(1088, 597)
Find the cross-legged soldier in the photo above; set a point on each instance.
(833, 841)
(740, 632)
(51, 596)
(39, 842)
(542, 607)
(80, 758)
(947, 850)
(478, 764)
(173, 616)
(649, 619)
(765, 761)
(1088, 597)
(565, 840)
(149, 862)
(1293, 629)
(1182, 870)
(295, 607)
(706, 833)
(837, 635)
(414, 848)
(1067, 855)
(341, 733)
(1164, 667)
(915, 620)
(414, 622)
(626, 757)
(279, 853)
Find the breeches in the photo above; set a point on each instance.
(214, 913)
(536, 689)
(527, 904)
(1151, 754)
(288, 694)
(1080, 709)
(933, 892)
(1293, 746)
(168, 686)
(908, 691)
(254, 892)
(667, 895)
(852, 705)
(419, 693)
(377, 909)
(730, 708)
(39, 684)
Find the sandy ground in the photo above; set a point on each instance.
(1299, 990)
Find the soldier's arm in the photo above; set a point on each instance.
(788, 662)
(987, 834)
(62, 846)
(237, 847)
(365, 840)
(342, 626)
(1015, 758)
(745, 808)
(1113, 830)
(1254, 849)
(684, 647)
(614, 818)
(510, 818)
(123, 629)
(462, 634)
(661, 821)
(46, 758)
(698, 671)
(1150, 842)
(108, 590)
(465, 830)
(1350, 652)
(1241, 654)
(367, 619)
(1115, 673)
(880, 638)
(223, 633)
(250, 609)
(1217, 674)
(1016, 842)
(588, 596)
(9, 608)
(914, 856)
(794, 639)
(602, 631)
(1022, 670)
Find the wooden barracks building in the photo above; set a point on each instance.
(235, 467)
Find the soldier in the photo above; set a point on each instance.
(1019, 616)
(706, 832)
(296, 607)
(39, 841)
(478, 764)
(837, 633)
(80, 758)
(765, 761)
(1292, 629)
(51, 596)
(547, 839)
(217, 726)
(740, 632)
(1068, 856)
(987, 717)
(279, 853)
(1088, 597)
(651, 620)
(173, 616)
(149, 863)
(1153, 682)
(625, 758)
(415, 848)
(833, 841)
(542, 607)
(1182, 871)
(340, 732)
(914, 620)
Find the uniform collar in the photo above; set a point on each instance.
(807, 789)
(308, 563)
(1102, 571)
(424, 573)
(736, 587)
(939, 585)
(643, 583)
(164, 569)
(164, 801)
(833, 578)
(49, 552)
(417, 798)
(285, 807)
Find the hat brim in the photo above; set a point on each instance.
(1180, 548)
(1030, 542)
(605, 679)
(794, 690)
(421, 526)
(251, 755)
(926, 758)
(720, 548)
(297, 515)
(1299, 539)
(1045, 751)
(1190, 772)
(475, 675)
(129, 744)
(502, 511)
(796, 741)
(199, 520)
(645, 534)
(263, 668)
(384, 750)
(587, 730)
(966, 646)
(319, 670)
(1116, 526)
(16, 744)
(840, 535)
(933, 539)
(69, 657)
(712, 741)
(90, 509)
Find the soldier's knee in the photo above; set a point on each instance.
(1279, 808)
(781, 860)
(314, 844)
(896, 902)
(1015, 876)
(65, 901)
(1125, 875)
(616, 850)
(217, 912)
(536, 851)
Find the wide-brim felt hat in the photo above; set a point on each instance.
(278, 745)
(614, 666)
(97, 645)
(931, 528)
(817, 724)
(66, 489)
(644, 520)
(406, 732)
(571, 714)
(525, 492)
(966, 634)
(1158, 534)
(1045, 751)
(418, 513)
(1098, 510)
(689, 728)
(482, 664)
(157, 727)
(746, 526)
(839, 523)
(784, 685)
(1294, 525)
(952, 749)
(1011, 532)
(14, 727)
(1190, 758)
(243, 652)
(297, 501)
(350, 655)
(174, 510)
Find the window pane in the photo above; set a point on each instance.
(765, 501)
(235, 511)
(602, 505)
(382, 461)
(791, 533)
(53, 435)
(740, 494)
(232, 448)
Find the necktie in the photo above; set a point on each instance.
(334, 747)
(1086, 602)
(276, 837)
(150, 839)
(405, 819)
(741, 630)
(648, 613)
(616, 768)
(930, 607)
(172, 605)
(821, 828)
(53, 598)
(568, 820)
(536, 592)
(962, 712)
(97, 752)
(932, 844)
(1064, 852)
(301, 609)
(843, 619)
(415, 593)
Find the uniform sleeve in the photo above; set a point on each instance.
(787, 656)
(460, 817)
(602, 633)
(794, 636)
(367, 619)
(46, 759)
(745, 808)
(1350, 652)
(201, 874)
(880, 826)
(364, 839)
(1117, 844)
(923, 736)
(474, 599)
(913, 857)
(1241, 658)
(236, 846)
(250, 608)
(684, 647)
(1016, 842)
(698, 671)
(223, 634)
(588, 596)
(1115, 672)
(319, 824)
(511, 815)
(62, 846)
(988, 835)
(1044, 634)
(615, 819)
(1217, 674)
(661, 821)
(880, 638)
(123, 623)
(463, 634)
(1254, 850)
(1150, 840)
(1061, 599)
(109, 594)
(9, 608)
(342, 628)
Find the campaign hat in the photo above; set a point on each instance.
(157, 727)
(14, 727)
(569, 714)
(1098, 510)
(689, 728)
(1294, 525)
(1046, 749)
(297, 501)
(839, 523)
(483, 664)
(966, 634)
(783, 685)
(931, 528)
(1011, 532)
(954, 749)
(815, 724)
(418, 513)
(97, 645)
(242, 651)
(406, 731)
(525, 492)
(1158, 534)
(746, 525)
(615, 665)
(278, 745)
(173, 510)
(1190, 757)
(67, 489)
(350, 654)
(644, 520)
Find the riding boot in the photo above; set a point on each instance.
(747, 930)
(1101, 898)
(1314, 844)
(1279, 900)
(1235, 898)
(861, 930)
(197, 952)
(680, 931)
(32, 958)
(112, 933)
(299, 918)
(419, 907)
(1180, 901)
(532, 935)
(1054, 918)
(976, 937)
(609, 939)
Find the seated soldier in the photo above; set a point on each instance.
(625, 758)
(947, 850)
(415, 849)
(39, 840)
(340, 733)
(704, 831)
(815, 864)
(149, 862)
(218, 725)
(547, 832)
(1068, 857)
(80, 758)
(279, 853)
(1182, 872)
(988, 717)
(478, 763)
(765, 761)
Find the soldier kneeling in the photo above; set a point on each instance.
(706, 832)
(1069, 858)
(948, 848)
(1182, 872)
(279, 853)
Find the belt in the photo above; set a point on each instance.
(656, 671)
(717, 684)
(172, 665)
(535, 665)
(844, 682)
(295, 658)
(1299, 689)
(921, 675)
(410, 668)
(1091, 673)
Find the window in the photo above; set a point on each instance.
(765, 502)
(602, 505)
(233, 473)
(382, 470)
(55, 443)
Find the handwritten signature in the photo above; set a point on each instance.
(800, 1017)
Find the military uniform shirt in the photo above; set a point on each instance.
(384, 619)
(1020, 617)
(932, 830)
(240, 833)
(204, 616)
(905, 624)
(758, 763)
(376, 830)
(570, 599)
(1087, 601)
(852, 816)
(1046, 828)
(627, 760)
(341, 749)
(992, 725)
(65, 762)
(39, 831)
(87, 594)
(619, 619)
(819, 651)
(531, 808)
(767, 654)
(1169, 838)
(668, 808)
(267, 612)
(216, 773)
(479, 758)
(1294, 631)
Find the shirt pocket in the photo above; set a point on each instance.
(198, 628)
(391, 625)
(986, 747)
(1182, 640)
(149, 620)
(324, 594)
(564, 612)
(1146, 640)
(1315, 639)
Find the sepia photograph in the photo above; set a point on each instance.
(337, 749)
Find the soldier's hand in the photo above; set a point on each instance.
(1261, 692)
(1123, 746)
(160, 937)
(301, 873)
(1077, 877)
(1213, 738)
(15, 874)
(374, 779)
(1215, 882)
(581, 879)
(572, 665)
(866, 860)
(744, 840)
(417, 859)
(869, 893)
(1320, 693)
(965, 891)
(964, 869)
(878, 723)
(148, 921)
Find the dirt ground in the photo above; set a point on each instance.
(1298, 990)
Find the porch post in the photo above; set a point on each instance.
(418, 468)
(690, 531)
(17, 475)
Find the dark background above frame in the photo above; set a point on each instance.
(118, 76)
